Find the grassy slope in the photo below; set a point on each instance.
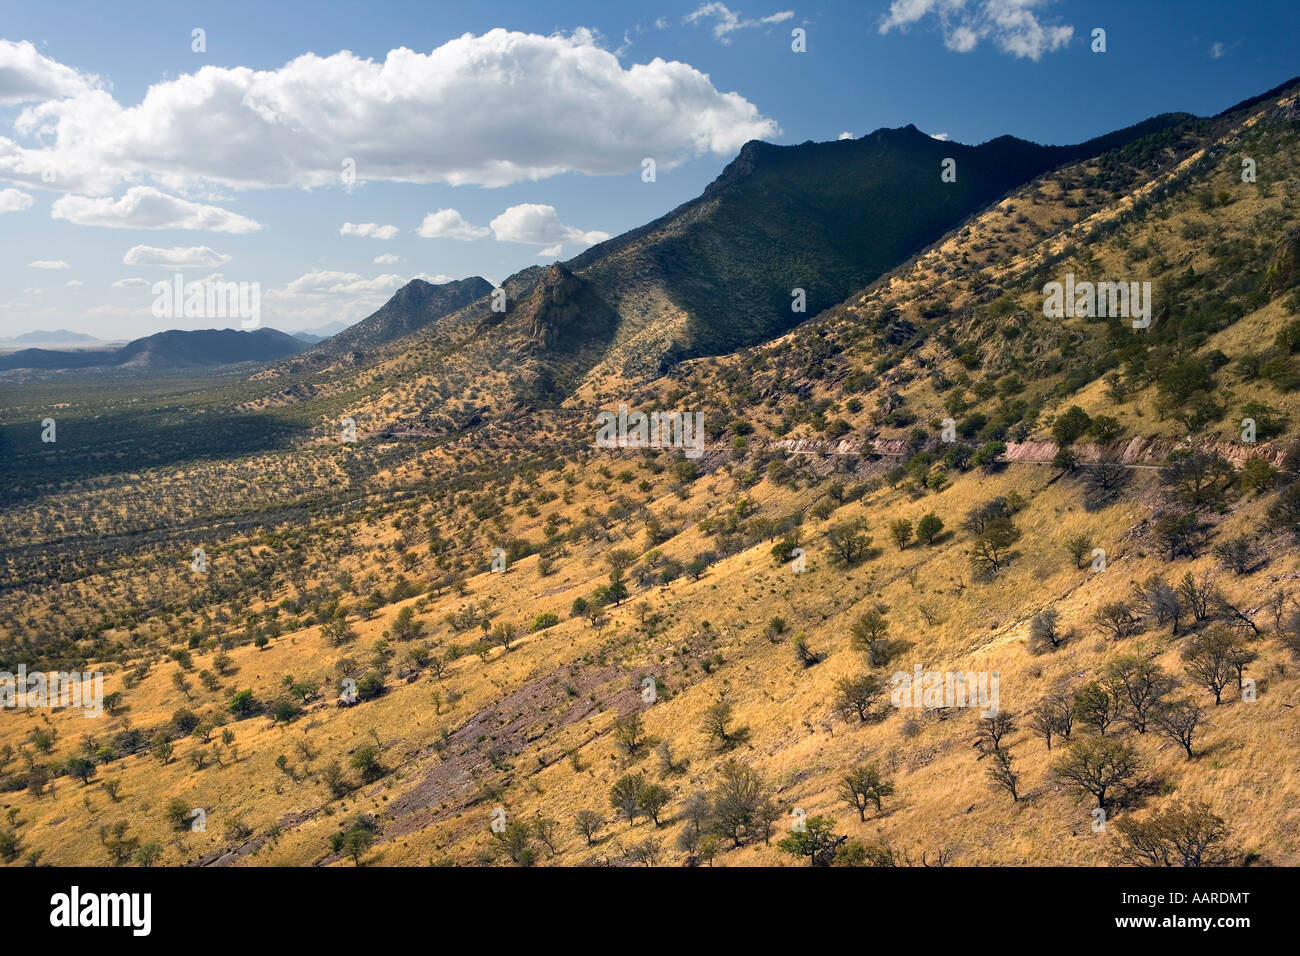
(558, 755)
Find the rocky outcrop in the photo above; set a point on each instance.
(1284, 268)
(552, 307)
(1135, 452)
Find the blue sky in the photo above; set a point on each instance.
(127, 157)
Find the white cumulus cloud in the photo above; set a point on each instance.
(1011, 25)
(450, 224)
(144, 207)
(387, 258)
(27, 76)
(15, 200)
(180, 256)
(491, 110)
(49, 264)
(540, 224)
(370, 230)
(326, 282)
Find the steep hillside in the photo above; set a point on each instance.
(823, 217)
(566, 654)
(414, 306)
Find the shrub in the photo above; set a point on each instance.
(929, 528)
(542, 621)
(1070, 425)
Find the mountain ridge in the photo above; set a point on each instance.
(170, 349)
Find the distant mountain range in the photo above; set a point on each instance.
(58, 338)
(174, 349)
(321, 332)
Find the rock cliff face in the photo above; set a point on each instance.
(1284, 267)
(552, 307)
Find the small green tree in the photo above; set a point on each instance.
(178, 814)
(717, 726)
(849, 540)
(1097, 706)
(161, 747)
(406, 627)
(929, 528)
(81, 768)
(366, 761)
(1070, 426)
(149, 854)
(813, 839)
(1079, 547)
(652, 799)
(629, 732)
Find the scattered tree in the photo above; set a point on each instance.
(863, 786)
(1178, 721)
(856, 696)
(1097, 766)
(1183, 835)
(1003, 775)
